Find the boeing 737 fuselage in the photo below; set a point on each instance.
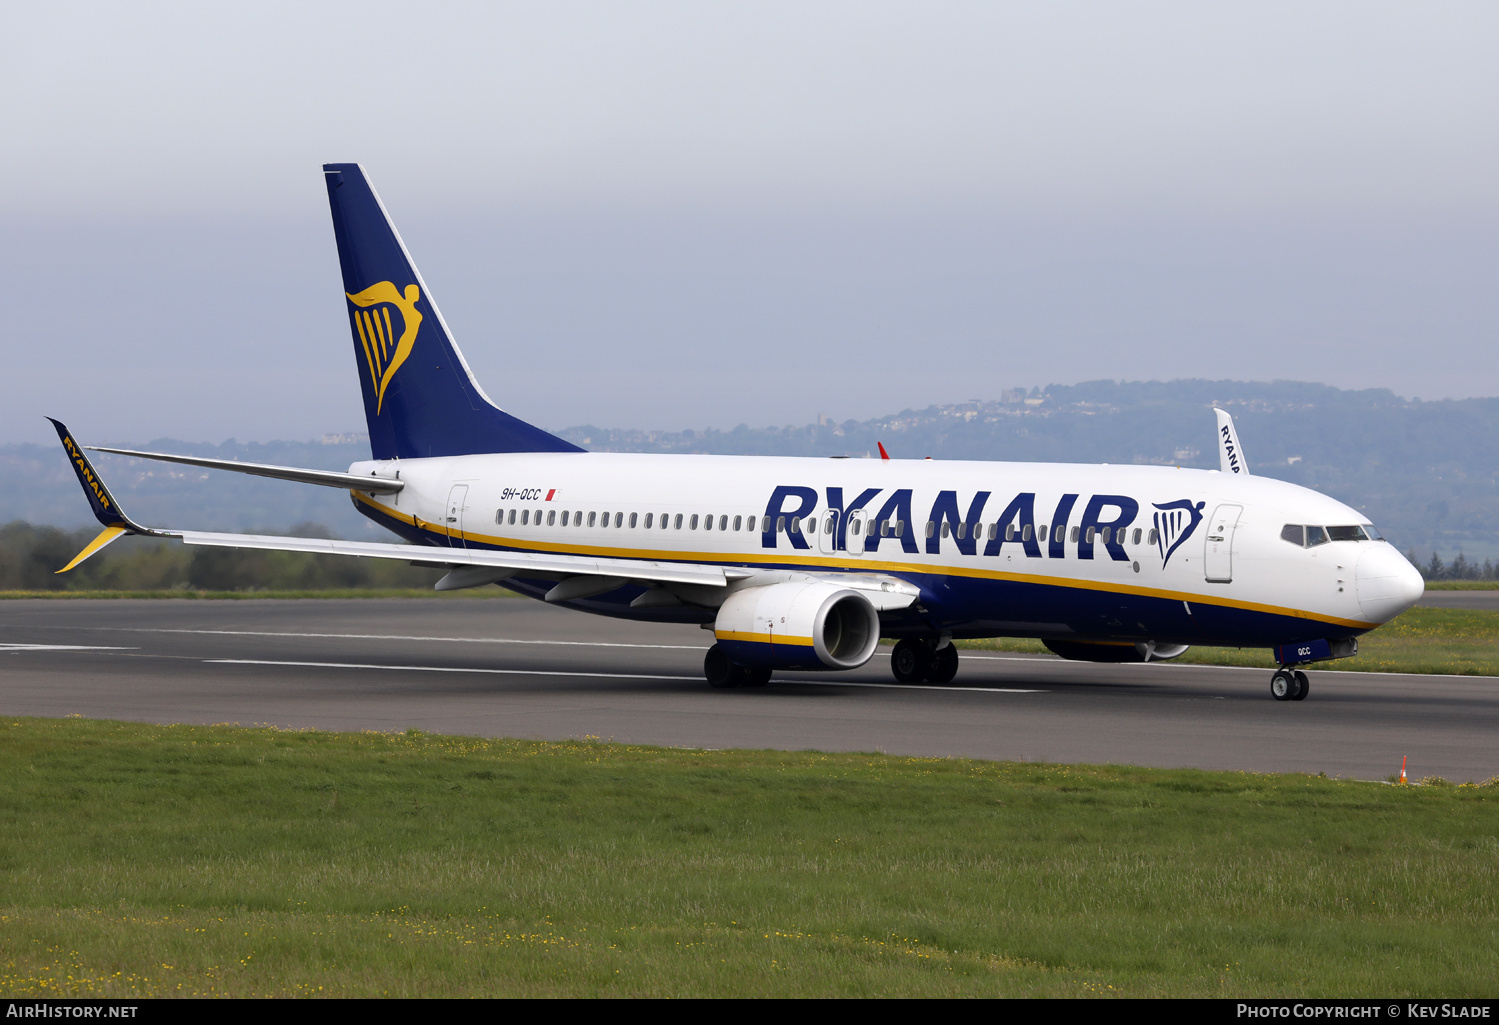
(804, 563)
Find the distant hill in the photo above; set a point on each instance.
(1426, 472)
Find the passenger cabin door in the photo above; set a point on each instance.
(1218, 556)
(456, 499)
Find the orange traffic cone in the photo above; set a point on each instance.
(1402, 768)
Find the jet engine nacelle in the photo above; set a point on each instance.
(798, 624)
(1097, 651)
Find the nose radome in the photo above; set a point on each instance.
(1386, 584)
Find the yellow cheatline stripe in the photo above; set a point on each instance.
(104, 538)
(745, 635)
(866, 566)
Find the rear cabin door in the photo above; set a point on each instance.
(456, 499)
(1218, 557)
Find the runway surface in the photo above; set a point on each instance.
(518, 668)
(1461, 599)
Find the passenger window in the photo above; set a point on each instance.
(525, 516)
(564, 517)
(738, 520)
(648, 518)
(619, 519)
(1105, 535)
(780, 524)
(592, 518)
(1074, 533)
(707, 522)
(1154, 536)
(1009, 531)
(633, 520)
(679, 521)
(1090, 535)
(723, 523)
(1315, 536)
(512, 517)
(499, 515)
(666, 521)
(552, 517)
(1294, 533)
(1137, 536)
(900, 525)
(931, 528)
(945, 528)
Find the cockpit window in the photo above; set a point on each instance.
(1346, 534)
(1294, 533)
(1315, 536)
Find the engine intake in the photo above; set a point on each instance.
(798, 624)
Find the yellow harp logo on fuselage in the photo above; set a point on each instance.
(383, 351)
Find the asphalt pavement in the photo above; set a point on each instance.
(519, 668)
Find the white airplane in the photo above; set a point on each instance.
(806, 563)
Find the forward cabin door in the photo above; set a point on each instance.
(456, 504)
(1218, 558)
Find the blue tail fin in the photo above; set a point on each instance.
(420, 399)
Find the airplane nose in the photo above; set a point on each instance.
(1386, 584)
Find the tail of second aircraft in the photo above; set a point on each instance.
(420, 398)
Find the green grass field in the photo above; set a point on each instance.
(148, 860)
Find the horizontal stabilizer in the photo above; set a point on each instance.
(328, 478)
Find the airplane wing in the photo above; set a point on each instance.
(602, 570)
(328, 478)
(578, 576)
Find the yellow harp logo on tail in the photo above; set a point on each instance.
(383, 351)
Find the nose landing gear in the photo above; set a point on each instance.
(1289, 685)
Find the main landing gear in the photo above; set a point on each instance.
(1289, 685)
(915, 660)
(723, 674)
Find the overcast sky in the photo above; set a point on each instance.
(687, 215)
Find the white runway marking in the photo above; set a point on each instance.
(63, 647)
(401, 637)
(605, 676)
(440, 669)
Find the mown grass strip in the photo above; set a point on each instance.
(152, 860)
